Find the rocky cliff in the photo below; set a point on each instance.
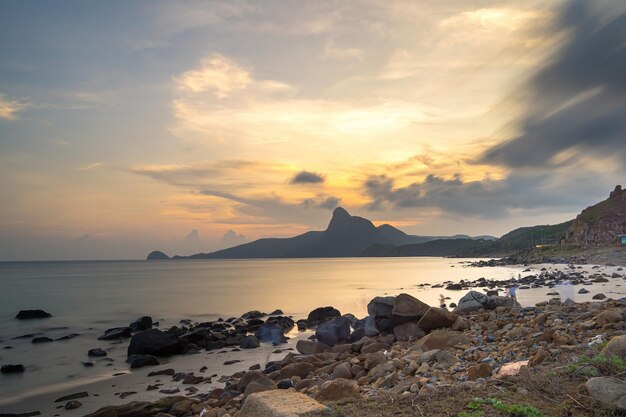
(601, 224)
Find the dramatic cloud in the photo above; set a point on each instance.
(9, 108)
(306, 177)
(486, 198)
(328, 203)
(577, 103)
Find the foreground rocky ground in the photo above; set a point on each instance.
(488, 357)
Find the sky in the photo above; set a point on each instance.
(189, 126)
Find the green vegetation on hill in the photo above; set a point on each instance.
(528, 237)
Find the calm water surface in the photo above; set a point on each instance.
(89, 297)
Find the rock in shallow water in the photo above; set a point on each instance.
(12, 369)
(333, 331)
(32, 314)
(250, 342)
(154, 342)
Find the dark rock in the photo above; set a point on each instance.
(333, 331)
(285, 322)
(154, 342)
(599, 296)
(321, 314)
(270, 333)
(285, 384)
(87, 364)
(454, 287)
(381, 307)
(73, 405)
(75, 396)
(168, 371)
(474, 301)
(249, 342)
(96, 352)
(308, 347)
(42, 339)
(277, 312)
(254, 314)
(139, 361)
(12, 369)
(32, 314)
(116, 333)
(143, 323)
(583, 291)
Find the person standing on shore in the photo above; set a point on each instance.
(512, 292)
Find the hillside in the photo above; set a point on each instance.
(601, 224)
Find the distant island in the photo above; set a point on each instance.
(598, 226)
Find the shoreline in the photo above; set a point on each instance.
(137, 380)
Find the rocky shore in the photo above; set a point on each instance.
(402, 358)
(408, 349)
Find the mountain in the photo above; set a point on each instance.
(441, 247)
(345, 236)
(601, 224)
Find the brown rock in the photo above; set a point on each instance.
(300, 369)
(437, 318)
(440, 339)
(616, 347)
(259, 386)
(279, 403)
(338, 389)
(609, 316)
(541, 355)
(408, 331)
(406, 305)
(308, 347)
(139, 408)
(343, 370)
(482, 370)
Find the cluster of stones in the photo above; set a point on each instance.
(405, 347)
(545, 279)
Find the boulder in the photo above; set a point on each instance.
(32, 314)
(609, 316)
(116, 333)
(381, 307)
(154, 342)
(143, 323)
(308, 347)
(342, 371)
(279, 403)
(271, 333)
(338, 389)
(300, 369)
(254, 314)
(139, 361)
(610, 392)
(138, 408)
(96, 352)
(598, 297)
(73, 405)
(474, 301)
(616, 347)
(12, 369)
(259, 386)
(250, 342)
(333, 331)
(408, 331)
(437, 318)
(285, 322)
(441, 339)
(482, 370)
(321, 314)
(249, 377)
(405, 305)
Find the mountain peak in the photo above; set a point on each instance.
(341, 212)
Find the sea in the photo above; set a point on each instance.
(87, 297)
